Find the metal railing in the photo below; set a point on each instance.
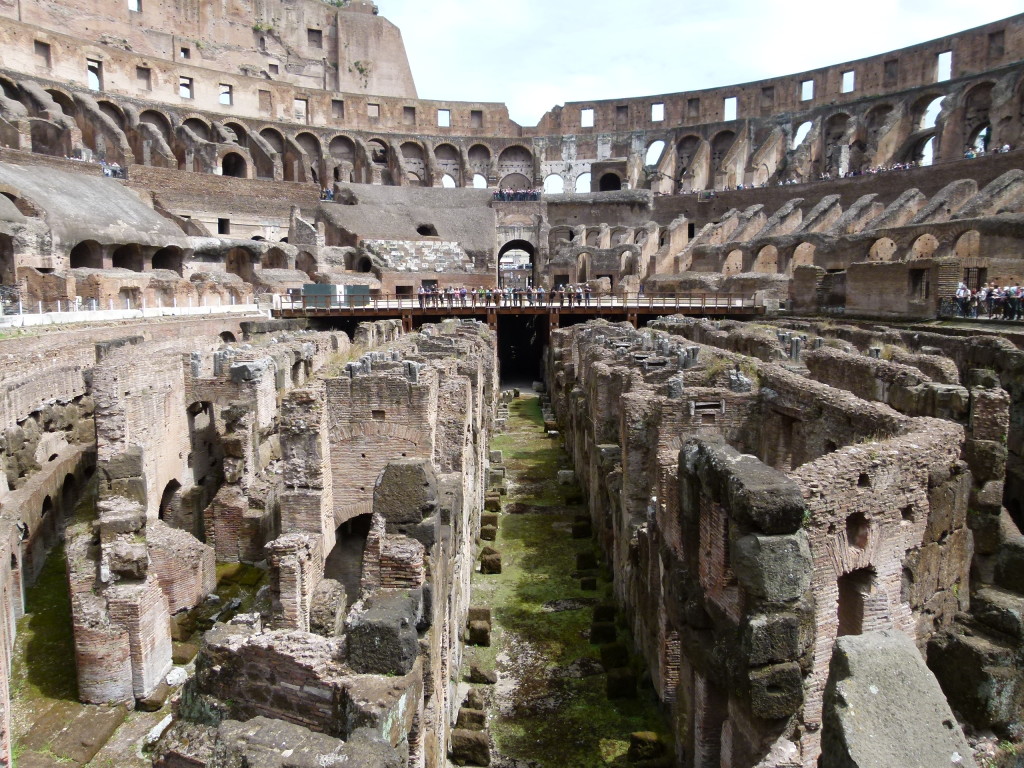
(660, 302)
(17, 312)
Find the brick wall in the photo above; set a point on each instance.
(185, 567)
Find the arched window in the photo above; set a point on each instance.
(654, 153)
(800, 134)
(554, 184)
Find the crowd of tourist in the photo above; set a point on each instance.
(872, 171)
(990, 301)
(971, 152)
(111, 170)
(517, 195)
(560, 296)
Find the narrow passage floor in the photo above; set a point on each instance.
(550, 706)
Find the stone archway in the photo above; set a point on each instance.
(233, 164)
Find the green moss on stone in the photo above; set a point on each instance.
(553, 717)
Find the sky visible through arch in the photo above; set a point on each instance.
(536, 54)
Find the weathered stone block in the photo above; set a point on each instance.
(490, 563)
(488, 533)
(183, 653)
(582, 529)
(471, 719)
(127, 464)
(1000, 609)
(475, 699)
(776, 691)
(986, 458)
(128, 559)
(988, 498)
(774, 568)
(155, 700)
(470, 747)
(771, 639)
(1010, 565)
(480, 633)
(480, 676)
(121, 516)
(381, 636)
(489, 518)
(327, 609)
(479, 613)
(884, 708)
(757, 495)
(405, 492)
(980, 678)
(588, 583)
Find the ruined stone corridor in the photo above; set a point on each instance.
(568, 693)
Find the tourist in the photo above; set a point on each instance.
(963, 296)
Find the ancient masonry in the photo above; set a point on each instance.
(756, 507)
(795, 511)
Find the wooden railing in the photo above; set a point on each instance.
(432, 303)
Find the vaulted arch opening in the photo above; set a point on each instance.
(86, 254)
(169, 258)
(233, 164)
(128, 257)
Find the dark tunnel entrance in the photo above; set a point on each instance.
(345, 561)
(521, 342)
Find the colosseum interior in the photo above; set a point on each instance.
(330, 439)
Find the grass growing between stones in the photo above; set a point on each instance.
(549, 707)
(43, 666)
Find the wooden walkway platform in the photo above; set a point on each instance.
(430, 308)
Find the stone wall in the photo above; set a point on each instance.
(376, 646)
(728, 491)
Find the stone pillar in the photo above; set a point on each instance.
(296, 569)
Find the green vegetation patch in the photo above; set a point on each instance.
(44, 656)
(557, 712)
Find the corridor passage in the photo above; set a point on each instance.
(550, 705)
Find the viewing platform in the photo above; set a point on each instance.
(431, 307)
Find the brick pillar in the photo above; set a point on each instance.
(296, 569)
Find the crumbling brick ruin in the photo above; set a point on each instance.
(755, 510)
(267, 467)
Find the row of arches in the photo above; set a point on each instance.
(239, 260)
(924, 129)
(772, 259)
(935, 124)
(132, 256)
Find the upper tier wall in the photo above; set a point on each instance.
(307, 72)
(308, 43)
